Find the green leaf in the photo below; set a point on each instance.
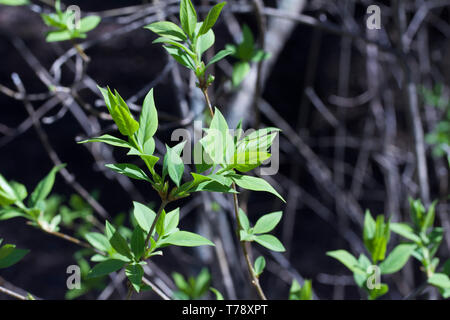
(186, 239)
(14, 2)
(188, 17)
(98, 241)
(247, 46)
(267, 222)
(12, 258)
(175, 165)
(219, 56)
(171, 221)
(240, 71)
(7, 193)
(148, 122)
(10, 213)
(243, 219)
(270, 242)
(429, 218)
(108, 139)
(347, 260)
(134, 273)
(376, 293)
(89, 23)
(160, 224)
(440, 280)
(120, 245)
(138, 243)
(255, 184)
(44, 187)
(19, 190)
(123, 118)
(55, 36)
(181, 57)
(211, 18)
(175, 44)
(260, 264)
(106, 267)
(129, 170)
(204, 42)
(6, 250)
(167, 29)
(219, 296)
(247, 161)
(405, 231)
(368, 231)
(212, 186)
(260, 55)
(397, 258)
(144, 216)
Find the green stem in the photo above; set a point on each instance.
(158, 214)
(251, 271)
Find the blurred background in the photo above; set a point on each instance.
(364, 114)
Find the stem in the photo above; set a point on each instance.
(81, 52)
(155, 288)
(251, 271)
(73, 240)
(158, 214)
(208, 101)
(12, 293)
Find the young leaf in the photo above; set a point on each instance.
(346, 259)
(219, 56)
(171, 221)
(134, 273)
(205, 41)
(243, 219)
(181, 57)
(267, 222)
(120, 245)
(129, 170)
(98, 241)
(167, 29)
(106, 267)
(440, 280)
(240, 71)
(188, 17)
(7, 194)
(12, 257)
(14, 2)
(175, 165)
(148, 122)
(19, 190)
(123, 118)
(255, 184)
(138, 243)
(260, 264)
(247, 46)
(368, 231)
(186, 239)
(270, 242)
(306, 291)
(108, 139)
(397, 258)
(219, 296)
(211, 18)
(405, 231)
(144, 216)
(45, 186)
(89, 23)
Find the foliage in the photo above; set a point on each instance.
(64, 25)
(245, 52)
